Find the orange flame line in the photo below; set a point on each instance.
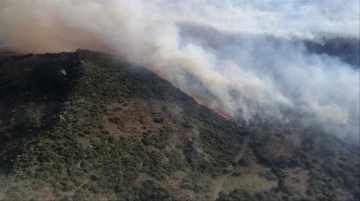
(216, 110)
(116, 53)
(197, 100)
(156, 72)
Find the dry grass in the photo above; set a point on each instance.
(137, 119)
(283, 147)
(294, 138)
(298, 178)
(250, 182)
(2, 195)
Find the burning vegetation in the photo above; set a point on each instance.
(214, 109)
(196, 99)
(112, 130)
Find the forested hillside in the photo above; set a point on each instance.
(90, 126)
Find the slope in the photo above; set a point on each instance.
(86, 125)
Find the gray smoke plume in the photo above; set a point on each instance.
(250, 55)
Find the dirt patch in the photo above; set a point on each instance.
(250, 182)
(85, 141)
(219, 183)
(146, 117)
(112, 128)
(298, 178)
(142, 178)
(135, 116)
(341, 194)
(218, 186)
(283, 148)
(173, 185)
(45, 193)
(294, 138)
(2, 195)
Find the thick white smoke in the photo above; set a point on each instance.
(246, 53)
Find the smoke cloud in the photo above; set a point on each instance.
(250, 56)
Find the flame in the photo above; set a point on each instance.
(117, 53)
(217, 111)
(157, 73)
(214, 109)
(197, 100)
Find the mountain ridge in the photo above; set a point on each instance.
(92, 126)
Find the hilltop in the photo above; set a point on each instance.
(86, 125)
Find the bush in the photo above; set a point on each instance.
(196, 183)
(157, 118)
(246, 162)
(268, 175)
(115, 120)
(278, 172)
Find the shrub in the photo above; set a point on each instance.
(268, 175)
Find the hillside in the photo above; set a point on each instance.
(90, 126)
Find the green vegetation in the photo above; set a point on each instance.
(244, 195)
(103, 131)
(196, 182)
(77, 158)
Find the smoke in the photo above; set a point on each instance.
(249, 56)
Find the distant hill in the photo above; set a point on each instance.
(347, 49)
(90, 126)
